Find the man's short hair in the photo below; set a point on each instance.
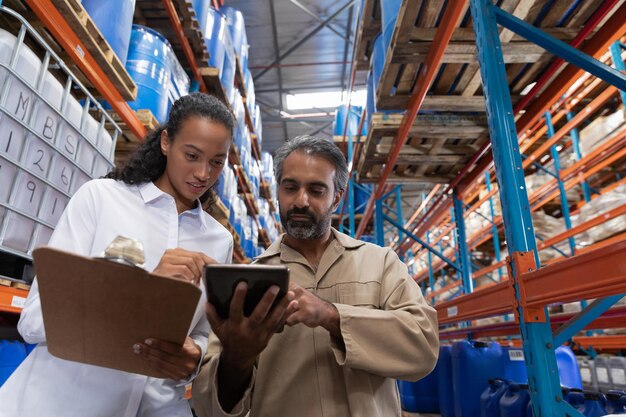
(314, 146)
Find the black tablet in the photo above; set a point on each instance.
(220, 282)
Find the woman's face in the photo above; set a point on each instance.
(195, 159)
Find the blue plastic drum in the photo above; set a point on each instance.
(149, 65)
(114, 19)
(201, 7)
(389, 10)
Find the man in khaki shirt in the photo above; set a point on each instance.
(355, 319)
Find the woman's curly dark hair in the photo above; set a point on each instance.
(148, 163)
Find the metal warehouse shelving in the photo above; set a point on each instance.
(427, 58)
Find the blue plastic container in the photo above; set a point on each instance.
(201, 7)
(444, 383)
(615, 402)
(473, 364)
(421, 396)
(11, 356)
(149, 65)
(378, 62)
(576, 398)
(353, 121)
(388, 15)
(237, 27)
(362, 194)
(490, 398)
(114, 19)
(514, 402)
(214, 36)
(514, 365)
(594, 404)
(568, 368)
(370, 106)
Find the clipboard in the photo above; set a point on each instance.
(94, 310)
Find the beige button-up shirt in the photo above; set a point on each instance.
(388, 329)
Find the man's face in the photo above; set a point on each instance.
(306, 195)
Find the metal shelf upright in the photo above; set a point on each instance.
(530, 289)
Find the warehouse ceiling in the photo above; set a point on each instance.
(298, 46)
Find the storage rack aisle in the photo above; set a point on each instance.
(576, 242)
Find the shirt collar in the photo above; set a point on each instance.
(344, 240)
(150, 192)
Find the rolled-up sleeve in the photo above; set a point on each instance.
(398, 340)
(205, 390)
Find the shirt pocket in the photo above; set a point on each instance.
(361, 294)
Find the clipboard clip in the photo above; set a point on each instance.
(126, 251)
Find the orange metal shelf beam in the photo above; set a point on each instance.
(182, 38)
(611, 31)
(570, 279)
(610, 319)
(596, 46)
(12, 299)
(617, 341)
(484, 302)
(452, 14)
(63, 33)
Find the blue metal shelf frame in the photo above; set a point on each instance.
(557, 168)
(537, 338)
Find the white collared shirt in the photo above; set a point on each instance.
(45, 386)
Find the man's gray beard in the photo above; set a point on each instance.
(309, 232)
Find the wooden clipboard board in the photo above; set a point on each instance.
(94, 310)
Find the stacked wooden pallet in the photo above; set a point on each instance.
(438, 146)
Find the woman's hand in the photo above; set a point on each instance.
(169, 359)
(183, 264)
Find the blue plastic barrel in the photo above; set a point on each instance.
(114, 19)
(149, 65)
(378, 62)
(214, 36)
(237, 27)
(514, 365)
(388, 15)
(353, 117)
(370, 106)
(568, 367)
(514, 402)
(490, 398)
(201, 7)
(444, 384)
(11, 356)
(473, 364)
(421, 396)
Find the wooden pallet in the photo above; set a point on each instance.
(459, 75)
(14, 284)
(438, 147)
(369, 27)
(89, 34)
(211, 77)
(240, 78)
(219, 212)
(127, 142)
(152, 13)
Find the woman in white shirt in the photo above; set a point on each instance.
(157, 199)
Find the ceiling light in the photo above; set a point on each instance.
(323, 100)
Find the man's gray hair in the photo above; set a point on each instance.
(314, 146)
